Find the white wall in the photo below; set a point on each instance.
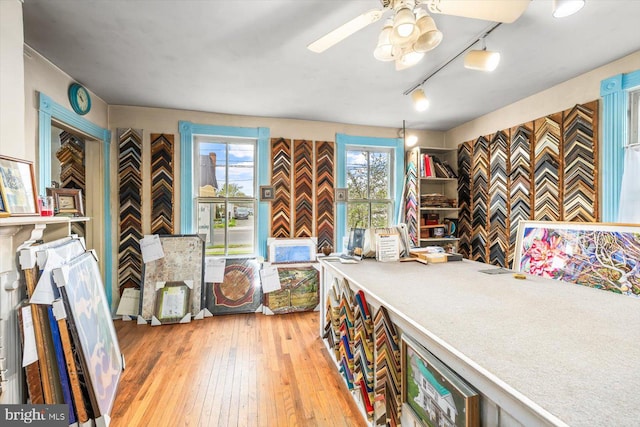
(11, 80)
(578, 90)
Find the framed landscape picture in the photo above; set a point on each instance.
(436, 395)
(18, 187)
(299, 290)
(283, 251)
(601, 256)
(67, 201)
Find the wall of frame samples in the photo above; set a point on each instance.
(545, 169)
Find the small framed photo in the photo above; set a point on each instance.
(67, 201)
(342, 195)
(17, 187)
(267, 192)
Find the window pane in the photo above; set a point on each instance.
(381, 214)
(379, 175)
(357, 215)
(212, 168)
(241, 170)
(356, 162)
(211, 224)
(241, 229)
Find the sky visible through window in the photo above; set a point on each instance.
(241, 161)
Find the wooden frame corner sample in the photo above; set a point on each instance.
(341, 195)
(67, 201)
(267, 192)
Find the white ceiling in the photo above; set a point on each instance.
(249, 57)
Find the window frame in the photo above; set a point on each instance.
(615, 136)
(369, 201)
(226, 200)
(343, 142)
(188, 197)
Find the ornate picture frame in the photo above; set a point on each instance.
(67, 201)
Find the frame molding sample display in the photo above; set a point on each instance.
(183, 261)
(240, 290)
(601, 256)
(89, 319)
(436, 395)
(299, 290)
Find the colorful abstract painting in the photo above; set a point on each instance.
(591, 254)
(92, 330)
(240, 290)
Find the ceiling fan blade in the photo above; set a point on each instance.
(345, 30)
(505, 11)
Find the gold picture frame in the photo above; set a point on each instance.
(67, 201)
(18, 187)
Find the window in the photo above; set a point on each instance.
(374, 198)
(226, 200)
(634, 122)
(368, 172)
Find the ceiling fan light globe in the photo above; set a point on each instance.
(564, 8)
(411, 57)
(428, 41)
(482, 60)
(404, 22)
(383, 51)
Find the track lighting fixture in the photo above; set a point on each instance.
(420, 101)
(482, 60)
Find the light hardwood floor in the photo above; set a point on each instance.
(234, 370)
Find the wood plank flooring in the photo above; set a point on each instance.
(234, 370)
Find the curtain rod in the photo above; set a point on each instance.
(478, 38)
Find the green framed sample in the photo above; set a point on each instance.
(172, 302)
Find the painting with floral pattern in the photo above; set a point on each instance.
(601, 256)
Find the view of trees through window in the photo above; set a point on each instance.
(226, 196)
(369, 187)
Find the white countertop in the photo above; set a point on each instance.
(571, 350)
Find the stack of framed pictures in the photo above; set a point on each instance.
(299, 278)
(172, 285)
(84, 309)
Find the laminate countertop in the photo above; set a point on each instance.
(568, 352)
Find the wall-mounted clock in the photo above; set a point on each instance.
(79, 99)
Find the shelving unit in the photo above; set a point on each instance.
(431, 164)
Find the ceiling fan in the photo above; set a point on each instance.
(411, 32)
